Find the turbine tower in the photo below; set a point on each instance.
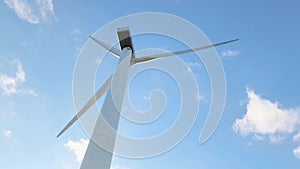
(96, 157)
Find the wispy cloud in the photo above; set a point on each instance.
(191, 65)
(75, 33)
(199, 97)
(23, 9)
(195, 64)
(266, 119)
(7, 133)
(29, 92)
(297, 137)
(229, 54)
(46, 8)
(10, 84)
(32, 12)
(297, 152)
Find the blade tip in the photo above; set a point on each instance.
(58, 135)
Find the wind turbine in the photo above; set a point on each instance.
(96, 157)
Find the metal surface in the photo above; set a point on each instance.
(125, 39)
(104, 133)
(102, 142)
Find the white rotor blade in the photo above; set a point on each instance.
(158, 56)
(113, 50)
(92, 100)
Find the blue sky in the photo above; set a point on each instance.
(41, 40)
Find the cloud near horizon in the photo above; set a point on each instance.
(266, 119)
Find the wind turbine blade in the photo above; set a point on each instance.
(113, 50)
(158, 56)
(92, 100)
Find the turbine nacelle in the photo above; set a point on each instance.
(125, 39)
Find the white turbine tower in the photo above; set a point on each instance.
(96, 157)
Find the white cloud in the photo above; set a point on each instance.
(9, 84)
(229, 53)
(276, 138)
(32, 12)
(46, 7)
(78, 148)
(264, 117)
(23, 9)
(296, 137)
(297, 152)
(258, 137)
(20, 74)
(7, 133)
